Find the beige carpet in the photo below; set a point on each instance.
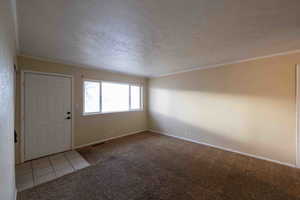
(150, 166)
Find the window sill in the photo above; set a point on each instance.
(115, 112)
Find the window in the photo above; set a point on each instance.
(106, 97)
(135, 97)
(115, 97)
(91, 97)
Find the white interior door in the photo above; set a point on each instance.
(47, 107)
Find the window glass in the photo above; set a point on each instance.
(115, 97)
(91, 97)
(135, 97)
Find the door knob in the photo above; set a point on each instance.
(68, 113)
(68, 118)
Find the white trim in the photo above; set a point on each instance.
(227, 63)
(47, 73)
(112, 112)
(297, 115)
(83, 113)
(100, 97)
(108, 139)
(225, 149)
(22, 138)
(72, 113)
(129, 96)
(142, 97)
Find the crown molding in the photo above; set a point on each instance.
(228, 63)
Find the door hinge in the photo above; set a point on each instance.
(16, 136)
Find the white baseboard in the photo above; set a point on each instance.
(225, 149)
(107, 139)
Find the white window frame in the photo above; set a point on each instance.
(83, 103)
(100, 93)
(141, 97)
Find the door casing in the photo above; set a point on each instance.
(297, 115)
(22, 108)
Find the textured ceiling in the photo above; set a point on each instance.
(156, 37)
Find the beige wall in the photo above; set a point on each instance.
(7, 55)
(93, 128)
(248, 107)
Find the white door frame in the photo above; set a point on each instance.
(298, 115)
(22, 117)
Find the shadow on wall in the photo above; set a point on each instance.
(195, 133)
(251, 112)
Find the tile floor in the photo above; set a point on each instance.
(45, 169)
